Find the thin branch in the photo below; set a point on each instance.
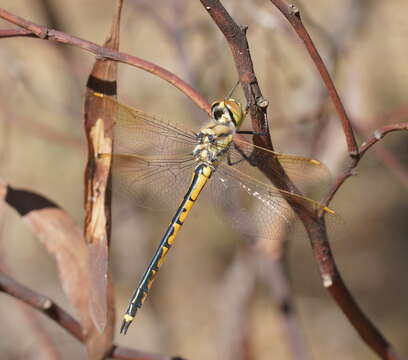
(236, 38)
(123, 353)
(6, 33)
(315, 226)
(45, 33)
(333, 282)
(49, 308)
(365, 146)
(237, 41)
(292, 14)
(43, 304)
(379, 134)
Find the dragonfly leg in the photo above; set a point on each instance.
(250, 158)
(250, 132)
(232, 163)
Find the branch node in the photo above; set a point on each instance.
(327, 280)
(355, 155)
(44, 34)
(244, 28)
(378, 135)
(46, 304)
(101, 57)
(293, 10)
(262, 102)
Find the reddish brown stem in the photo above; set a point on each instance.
(66, 321)
(43, 304)
(6, 33)
(236, 38)
(237, 41)
(292, 14)
(365, 146)
(379, 134)
(333, 282)
(123, 353)
(314, 226)
(43, 32)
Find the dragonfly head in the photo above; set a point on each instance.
(227, 110)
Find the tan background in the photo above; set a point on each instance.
(42, 148)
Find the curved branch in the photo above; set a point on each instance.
(365, 146)
(236, 38)
(237, 41)
(49, 308)
(334, 283)
(123, 353)
(292, 14)
(379, 134)
(43, 304)
(315, 227)
(45, 33)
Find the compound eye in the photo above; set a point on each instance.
(231, 115)
(235, 111)
(217, 110)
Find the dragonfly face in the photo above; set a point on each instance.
(227, 110)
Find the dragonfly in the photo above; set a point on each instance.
(175, 163)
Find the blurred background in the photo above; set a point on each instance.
(194, 309)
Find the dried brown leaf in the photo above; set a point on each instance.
(98, 129)
(63, 239)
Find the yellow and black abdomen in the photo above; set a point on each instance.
(201, 175)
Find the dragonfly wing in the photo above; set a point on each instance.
(257, 210)
(159, 175)
(308, 175)
(139, 133)
(152, 182)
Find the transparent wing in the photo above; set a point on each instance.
(307, 174)
(255, 208)
(139, 133)
(153, 160)
(156, 167)
(153, 182)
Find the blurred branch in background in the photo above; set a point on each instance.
(365, 146)
(315, 227)
(63, 240)
(43, 304)
(292, 14)
(45, 33)
(240, 279)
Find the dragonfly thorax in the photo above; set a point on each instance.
(214, 140)
(213, 143)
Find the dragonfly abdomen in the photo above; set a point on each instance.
(201, 175)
